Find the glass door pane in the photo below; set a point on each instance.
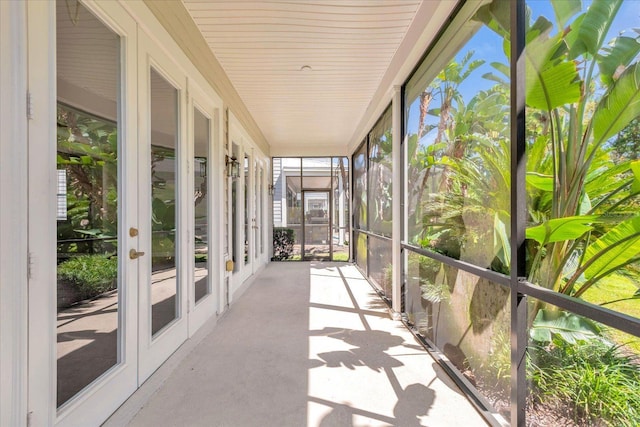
(89, 279)
(201, 205)
(235, 250)
(260, 210)
(257, 194)
(164, 173)
(246, 211)
(317, 244)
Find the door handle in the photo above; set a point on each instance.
(133, 254)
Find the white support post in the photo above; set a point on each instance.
(396, 247)
(42, 212)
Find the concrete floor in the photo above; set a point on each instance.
(308, 344)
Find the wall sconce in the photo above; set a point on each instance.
(272, 189)
(233, 167)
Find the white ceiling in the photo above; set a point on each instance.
(349, 44)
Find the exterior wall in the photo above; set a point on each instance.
(279, 194)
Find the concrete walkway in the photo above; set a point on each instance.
(308, 344)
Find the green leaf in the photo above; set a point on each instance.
(540, 181)
(635, 168)
(540, 28)
(86, 160)
(619, 106)
(561, 229)
(495, 78)
(565, 9)
(471, 67)
(593, 29)
(601, 181)
(614, 248)
(550, 82)
(94, 232)
(502, 68)
(619, 54)
(571, 37)
(585, 204)
(553, 86)
(496, 16)
(501, 244)
(569, 327)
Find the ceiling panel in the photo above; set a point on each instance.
(264, 45)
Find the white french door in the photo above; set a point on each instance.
(259, 220)
(83, 297)
(240, 209)
(205, 185)
(162, 207)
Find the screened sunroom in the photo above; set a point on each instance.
(328, 212)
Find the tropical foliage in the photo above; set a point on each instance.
(163, 206)
(582, 90)
(87, 153)
(583, 189)
(582, 98)
(595, 383)
(90, 275)
(459, 167)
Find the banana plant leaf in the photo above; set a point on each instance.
(619, 106)
(501, 244)
(540, 181)
(550, 81)
(613, 249)
(569, 327)
(635, 168)
(565, 9)
(592, 29)
(561, 229)
(618, 55)
(605, 179)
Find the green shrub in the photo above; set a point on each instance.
(91, 275)
(599, 382)
(283, 239)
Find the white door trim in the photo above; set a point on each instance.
(13, 217)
